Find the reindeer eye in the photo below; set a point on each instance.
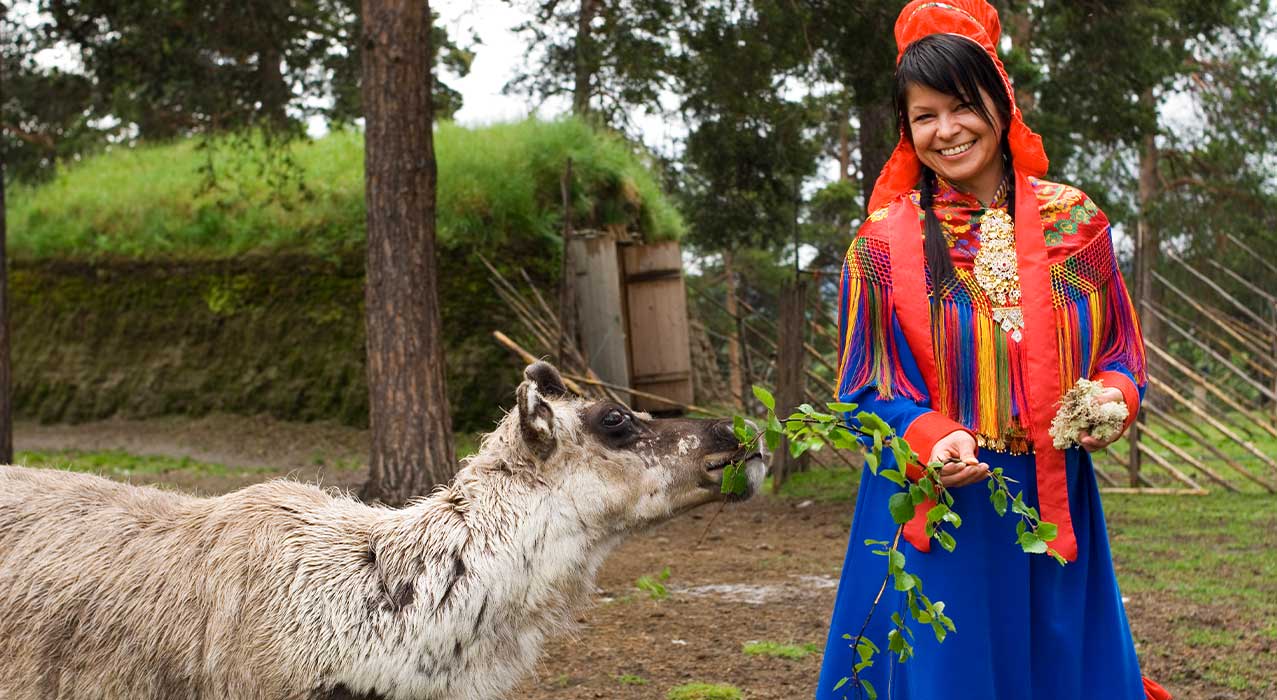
(614, 419)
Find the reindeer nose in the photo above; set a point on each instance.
(723, 431)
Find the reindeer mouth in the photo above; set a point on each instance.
(712, 476)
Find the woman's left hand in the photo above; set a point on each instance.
(1091, 444)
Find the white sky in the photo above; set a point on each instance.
(498, 56)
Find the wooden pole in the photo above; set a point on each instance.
(570, 380)
(1196, 463)
(1209, 387)
(1205, 441)
(1192, 407)
(1218, 317)
(1219, 290)
(1271, 394)
(789, 382)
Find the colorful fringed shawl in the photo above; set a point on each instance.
(980, 375)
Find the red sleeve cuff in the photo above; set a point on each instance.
(1130, 392)
(923, 434)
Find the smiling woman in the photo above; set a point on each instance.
(973, 296)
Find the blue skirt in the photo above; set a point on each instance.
(1027, 627)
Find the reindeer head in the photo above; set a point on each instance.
(622, 467)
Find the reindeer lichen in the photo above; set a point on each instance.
(1080, 411)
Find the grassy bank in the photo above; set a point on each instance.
(496, 184)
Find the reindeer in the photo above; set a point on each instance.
(282, 590)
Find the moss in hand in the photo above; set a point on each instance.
(1080, 411)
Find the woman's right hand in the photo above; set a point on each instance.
(957, 452)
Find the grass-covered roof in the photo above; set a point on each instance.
(495, 183)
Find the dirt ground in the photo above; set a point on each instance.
(765, 571)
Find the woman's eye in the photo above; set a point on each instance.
(614, 419)
(921, 118)
(964, 106)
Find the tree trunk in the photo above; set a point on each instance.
(735, 383)
(274, 89)
(790, 378)
(6, 405)
(1147, 252)
(877, 127)
(844, 145)
(585, 59)
(1020, 29)
(411, 429)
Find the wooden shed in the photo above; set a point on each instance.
(632, 316)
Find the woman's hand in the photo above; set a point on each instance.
(956, 451)
(1084, 438)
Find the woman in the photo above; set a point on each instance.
(1029, 301)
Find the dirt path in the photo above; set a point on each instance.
(765, 571)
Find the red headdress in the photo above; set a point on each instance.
(976, 20)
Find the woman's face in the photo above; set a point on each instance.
(950, 138)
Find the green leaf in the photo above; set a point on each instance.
(894, 476)
(937, 513)
(871, 461)
(765, 397)
(917, 494)
(946, 540)
(904, 455)
(1059, 558)
(1047, 532)
(840, 683)
(840, 407)
(744, 431)
(901, 508)
(1032, 544)
(873, 424)
(895, 562)
(735, 481)
(797, 448)
(772, 438)
(999, 499)
(904, 582)
(869, 689)
(843, 440)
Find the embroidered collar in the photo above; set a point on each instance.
(952, 195)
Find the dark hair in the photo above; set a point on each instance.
(959, 67)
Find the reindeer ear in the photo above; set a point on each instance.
(547, 379)
(536, 418)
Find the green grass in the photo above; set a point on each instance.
(781, 651)
(495, 183)
(832, 484)
(654, 586)
(631, 679)
(118, 464)
(704, 691)
(1213, 549)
